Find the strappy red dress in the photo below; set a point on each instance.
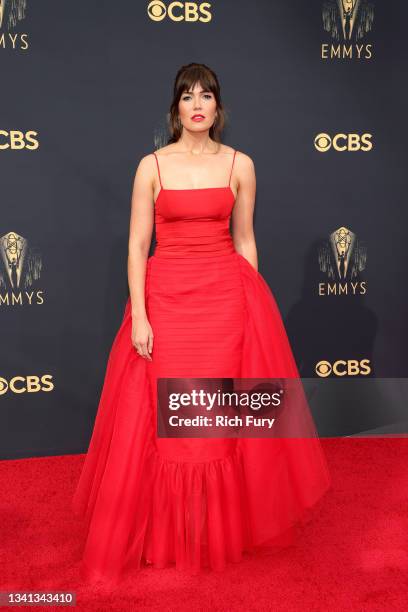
(194, 502)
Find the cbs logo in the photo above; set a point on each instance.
(15, 139)
(342, 367)
(27, 384)
(343, 142)
(179, 11)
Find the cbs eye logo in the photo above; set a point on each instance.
(26, 384)
(343, 367)
(179, 11)
(343, 142)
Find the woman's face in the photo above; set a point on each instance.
(197, 109)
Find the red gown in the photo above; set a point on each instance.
(197, 502)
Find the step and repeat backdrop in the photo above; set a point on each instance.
(315, 92)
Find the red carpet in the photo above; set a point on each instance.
(352, 556)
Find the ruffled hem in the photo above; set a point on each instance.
(192, 516)
(198, 516)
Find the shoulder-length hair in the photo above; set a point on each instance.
(186, 79)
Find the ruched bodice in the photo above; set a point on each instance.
(194, 222)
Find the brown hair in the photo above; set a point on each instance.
(186, 78)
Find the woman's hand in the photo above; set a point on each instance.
(142, 337)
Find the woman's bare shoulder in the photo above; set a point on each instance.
(244, 157)
(244, 161)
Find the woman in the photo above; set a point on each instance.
(198, 308)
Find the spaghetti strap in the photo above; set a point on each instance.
(232, 165)
(158, 170)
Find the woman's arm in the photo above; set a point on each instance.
(140, 236)
(242, 214)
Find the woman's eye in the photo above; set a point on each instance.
(205, 96)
